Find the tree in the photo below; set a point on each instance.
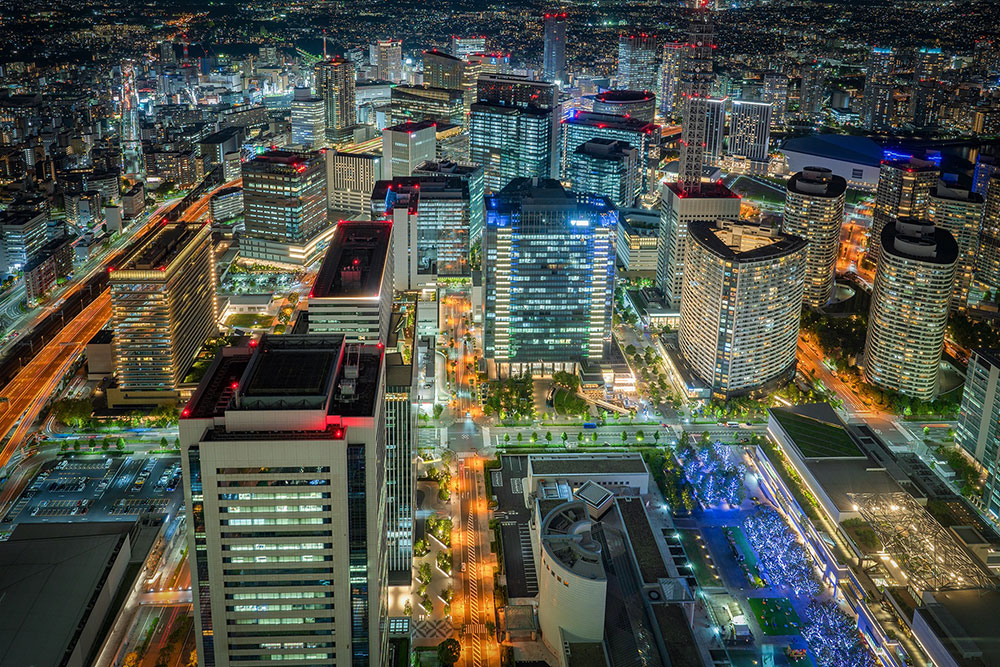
(407, 608)
(449, 651)
(565, 437)
(520, 436)
(548, 436)
(506, 437)
(624, 437)
(534, 436)
(164, 443)
(656, 436)
(424, 573)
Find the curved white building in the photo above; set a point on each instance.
(740, 305)
(814, 211)
(909, 311)
(572, 585)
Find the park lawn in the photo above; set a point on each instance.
(250, 321)
(700, 561)
(749, 557)
(775, 615)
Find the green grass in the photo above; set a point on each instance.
(749, 557)
(250, 321)
(700, 561)
(775, 615)
(814, 438)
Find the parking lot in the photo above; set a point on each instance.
(99, 488)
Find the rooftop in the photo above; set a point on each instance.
(583, 464)
(355, 261)
(860, 150)
(410, 128)
(640, 535)
(612, 121)
(586, 654)
(619, 96)
(677, 636)
(918, 240)
(157, 253)
(743, 242)
(816, 431)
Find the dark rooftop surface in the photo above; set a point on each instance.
(586, 654)
(709, 190)
(411, 127)
(102, 337)
(354, 261)
(624, 96)
(291, 372)
(647, 552)
(705, 233)
(805, 183)
(601, 465)
(162, 248)
(931, 244)
(677, 637)
(611, 121)
(966, 622)
(837, 147)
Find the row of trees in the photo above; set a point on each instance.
(511, 397)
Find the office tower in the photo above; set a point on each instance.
(163, 307)
(978, 429)
(490, 63)
(283, 454)
(879, 87)
(474, 68)
(750, 130)
(388, 60)
(430, 228)
(350, 178)
(400, 451)
(23, 233)
(696, 83)
(452, 143)
(167, 54)
(514, 129)
(775, 93)
(715, 129)
(638, 61)
(442, 70)
(986, 166)
(406, 146)
(583, 126)
(741, 305)
(463, 47)
(987, 275)
(678, 208)
(814, 211)
(548, 277)
(904, 188)
(554, 48)
(285, 204)
(671, 102)
(334, 82)
(909, 309)
(639, 104)
(472, 174)
(960, 212)
(352, 294)
(929, 64)
(412, 104)
(309, 122)
(812, 92)
(608, 168)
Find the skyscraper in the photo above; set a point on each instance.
(608, 168)
(548, 277)
(671, 101)
(639, 104)
(352, 293)
(812, 92)
(309, 122)
(412, 104)
(741, 305)
(978, 429)
(388, 60)
(904, 188)
(163, 308)
(554, 47)
(334, 82)
(960, 212)
(750, 130)
(285, 204)
(406, 146)
(463, 47)
(430, 227)
(638, 61)
(350, 178)
(715, 129)
(283, 452)
(986, 281)
(696, 83)
(876, 104)
(583, 126)
(443, 70)
(775, 93)
(909, 309)
(513, 129)
(814, 211)
(472, 174)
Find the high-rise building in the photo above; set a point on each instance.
(309, 122)
(775, 93)
(909, 310)
(904, 188)
(334, 82)
(283, 453)
(715, 129)
(430, 228)
(750, 130)
(406, 146)
(413, 104)
(443, 70)
(472, 174)
(163, 307)
(400, 451)
(638, 62)
(463, 47)
(285, 208)
(352, 294)
(678, 208)
(696, 84)
(639, 104)
(960, 212)
(23, 233)
(986, 282)
(608, 168)
(876, 104)
(548, 277)
(671, 102)
(741, 305)
(812, 92)
(814, 211)
(514, 129)
(929, 64)
(978, 429)
(583, 126)
(167, 54)
(554, 47)
(350, 178)
(388, 60)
